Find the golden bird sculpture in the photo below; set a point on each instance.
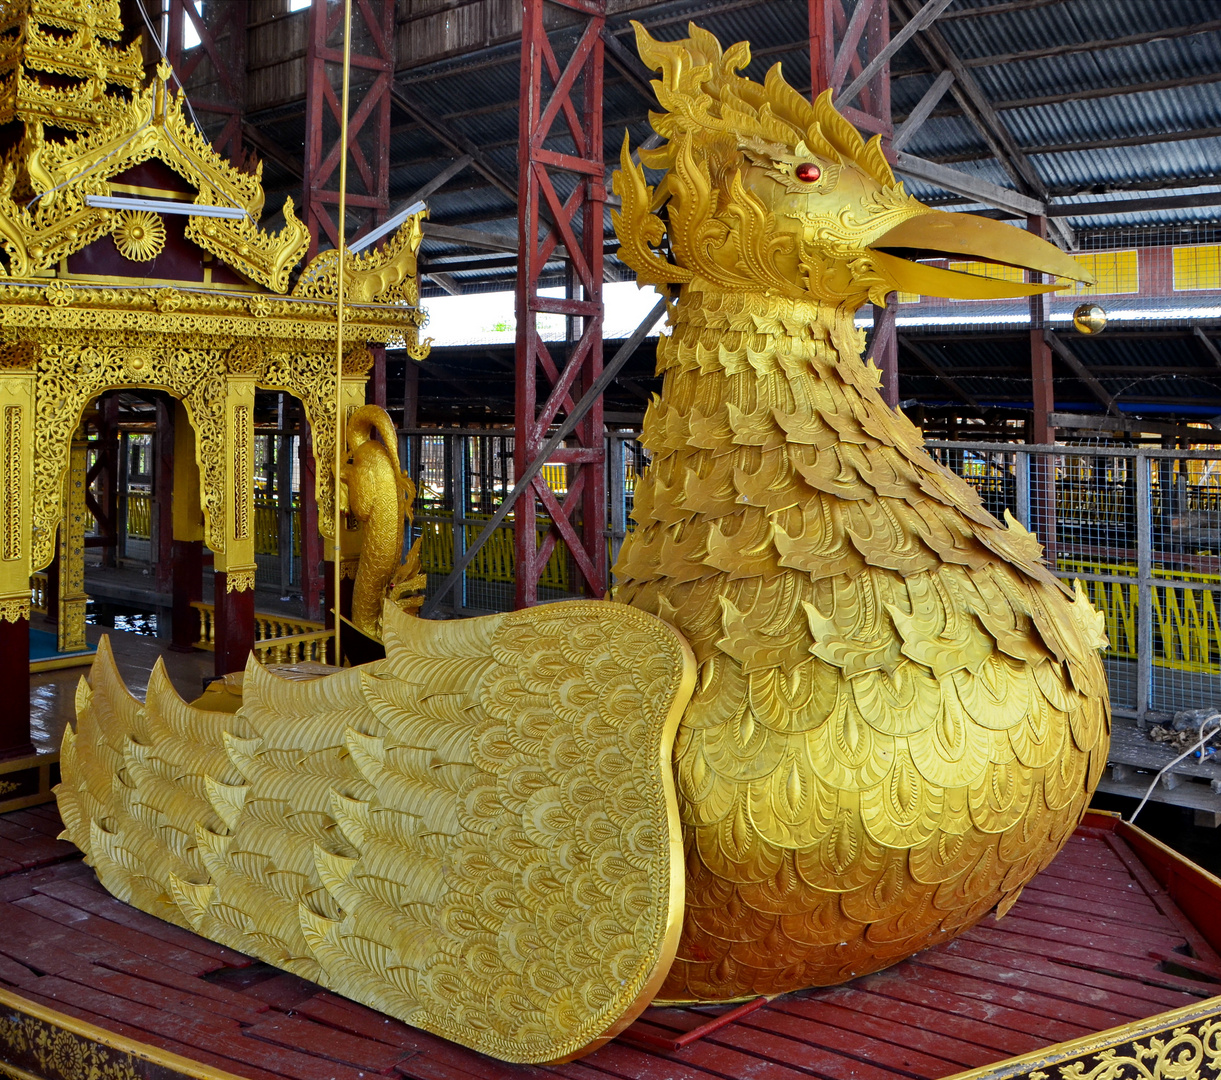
(901, 714)
(380, 496)
(836, 712)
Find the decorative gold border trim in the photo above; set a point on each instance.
(119, 1043)
(14, 609)
(1069, 1058)
(239, 580)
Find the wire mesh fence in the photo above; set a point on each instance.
(1141, 529)
(462, 477)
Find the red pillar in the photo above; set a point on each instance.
(186, 586)
(234, 625)
(368, 194)
(546, 388)
(822, 44)
(884, 348)
(15, 680)
(376, 387)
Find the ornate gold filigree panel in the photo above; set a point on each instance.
(241, 471)
(14, 610)
(72, 371)
(70, 627)
(13, 444)
(239, 580)
(1184, 1044)
(42, 1043)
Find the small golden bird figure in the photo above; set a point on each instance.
(901, 713)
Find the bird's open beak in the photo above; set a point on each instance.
(939, 235)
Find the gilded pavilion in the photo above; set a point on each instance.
(110, 278)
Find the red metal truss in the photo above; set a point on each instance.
(368, 195)
(566, 160)
(215, 69)
(845, 35)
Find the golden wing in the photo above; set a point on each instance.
(478, 834)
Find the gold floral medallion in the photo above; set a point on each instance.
(139, 235)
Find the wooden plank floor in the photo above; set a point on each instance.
(1072, 957)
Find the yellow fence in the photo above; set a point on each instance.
(266, 523)
(140, 515)
(1186, 622)
(495, 561)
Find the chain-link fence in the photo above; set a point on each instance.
(1141, 529)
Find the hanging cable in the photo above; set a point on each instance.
(1197, 749)
(161, 47)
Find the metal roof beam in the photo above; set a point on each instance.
(999, 59)
(1100, 144)
(974, 187)
(1083, 373)
(1135, 206)
(446, 282)
(1092, 93)
(923, 18)
(457, 142)
(1213, 352)
(923, 110)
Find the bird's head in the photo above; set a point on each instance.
(765, 191)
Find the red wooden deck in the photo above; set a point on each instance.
(1077, 954)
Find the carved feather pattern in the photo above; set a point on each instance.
(478, 834)
(901, 713)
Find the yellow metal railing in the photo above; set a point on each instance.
(266, 523)
(495, 561)
(1186, 621)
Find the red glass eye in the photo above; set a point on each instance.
(807, 171)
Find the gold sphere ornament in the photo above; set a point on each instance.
(139, 235)
(1090, 319)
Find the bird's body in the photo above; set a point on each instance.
(900, 714)
(885, 713)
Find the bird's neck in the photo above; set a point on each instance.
(759, 350)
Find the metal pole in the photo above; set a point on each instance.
(1144, 587)
(336, 546)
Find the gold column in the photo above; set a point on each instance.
(237, 560)
(186, 508)
(72, 595)
(16, 492)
